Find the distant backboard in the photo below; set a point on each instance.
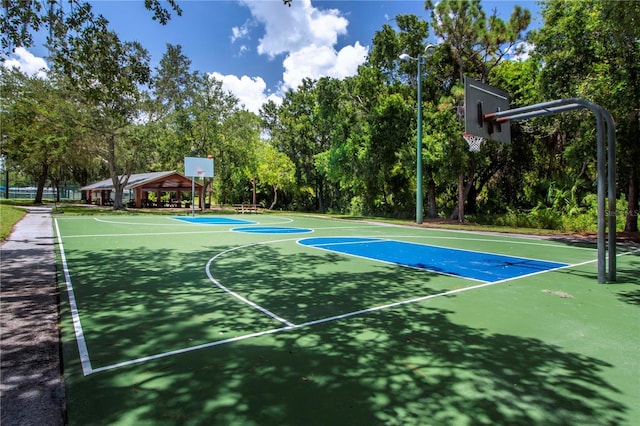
(198, 167)
(480, 101)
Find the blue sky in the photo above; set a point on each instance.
(261, 48)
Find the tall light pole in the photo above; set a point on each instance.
(428, 52)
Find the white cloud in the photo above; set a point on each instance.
(322, 61)
(240, 32)
(28, 63)
(289, 29)
(523, 51)
(308, 36)
(252, 92)
(348, 60)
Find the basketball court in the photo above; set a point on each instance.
(293, 319)
(268, 319)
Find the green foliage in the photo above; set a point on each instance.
(478, 42)
(9, 216)
(40, 137)
(590, 49)
(346, 145)
(276, 170)
(583, 219)
(21, 19)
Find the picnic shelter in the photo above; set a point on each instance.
(141, 185)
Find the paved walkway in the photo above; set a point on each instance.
(31, 384)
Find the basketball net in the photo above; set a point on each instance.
(473, 141)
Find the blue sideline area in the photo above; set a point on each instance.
(205, 220)
(473, 265)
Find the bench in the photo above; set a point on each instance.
(245, 208)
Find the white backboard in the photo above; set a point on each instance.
(198, 167)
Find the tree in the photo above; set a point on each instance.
(37, 126)
(107, 73)
(174, 108)
(203, 126)
(276, 170)
(478, 44)
(244, 148)
(22, 19)
(174, 83)
(591, 49)
(194, 116)
(296, 133)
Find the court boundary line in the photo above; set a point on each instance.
(321, 320)
(83, 351)
(312, 323)
(393, 239)
(286, 220)
(236, 295)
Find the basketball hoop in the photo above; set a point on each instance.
(200, 173)
(473, 141)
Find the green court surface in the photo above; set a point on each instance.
(300, 320)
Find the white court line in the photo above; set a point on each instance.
(143, 234)
(236, 295)
(357, 240)
(289, 326)
(190, 349)
(187, 223)
(77, 326)
(242, 298)
(306, 324)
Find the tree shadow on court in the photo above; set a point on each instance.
(310, 285)
(142, 301)
(408, 365)
(627, 272)
(138, 302)
(413, 366)
(627, 267)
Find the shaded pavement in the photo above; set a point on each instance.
(31, 383)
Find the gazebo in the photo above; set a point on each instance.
(144, 183)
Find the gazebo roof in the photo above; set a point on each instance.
(163, 181)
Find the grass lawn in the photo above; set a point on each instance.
(9, 216)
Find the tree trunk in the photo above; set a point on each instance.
(253, 184)
(118, 187)
(431, 197)
(633, 208)
(463, 192)
(319, 195)
(42, 180)
(275, 197)
(631, 224)
(461, 197)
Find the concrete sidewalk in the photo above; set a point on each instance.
(31, 383)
